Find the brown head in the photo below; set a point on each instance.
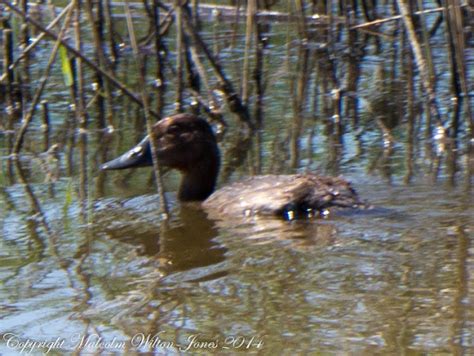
(184, 142)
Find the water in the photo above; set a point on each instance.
(395, 280)
(88, 265)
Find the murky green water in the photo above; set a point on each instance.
(87, 264)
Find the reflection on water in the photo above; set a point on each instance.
(84, 256)
(184, 243)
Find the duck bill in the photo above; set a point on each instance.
(138, 156)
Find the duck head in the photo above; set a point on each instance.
(184, 142)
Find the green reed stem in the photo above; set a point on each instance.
(29, 116)
(97, 68)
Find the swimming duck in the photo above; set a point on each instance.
(187, 143)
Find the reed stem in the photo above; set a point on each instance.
(97, 68)
(148, 117)
(179, 56)
(29, 116)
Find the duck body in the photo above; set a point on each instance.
(187, 143)
(289, 196)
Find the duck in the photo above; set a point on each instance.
(187, 143)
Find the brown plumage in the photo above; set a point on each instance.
(187, 143)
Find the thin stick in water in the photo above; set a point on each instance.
(146, 107)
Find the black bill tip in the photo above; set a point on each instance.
(138, 156)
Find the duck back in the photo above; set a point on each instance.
(289, 196)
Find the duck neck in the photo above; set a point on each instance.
(198, 182)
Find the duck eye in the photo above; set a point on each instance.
(173, 129)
